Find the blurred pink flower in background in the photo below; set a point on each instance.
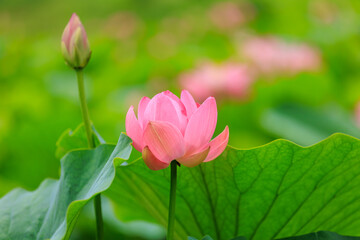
(229, 15)
(122, 25)
(181, 27)
(326, 12)
(357, 114)
(210, 79)
(169, 128)
(272, 56)
(162, 46)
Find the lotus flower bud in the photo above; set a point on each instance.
(74, 44)
(169, 128)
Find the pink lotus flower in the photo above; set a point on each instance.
(228, 79)
(74, 44)
(169, 128)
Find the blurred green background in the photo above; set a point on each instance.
(142, 47)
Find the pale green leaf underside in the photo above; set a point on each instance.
(71, 140)
(50, 212)
(274, 191)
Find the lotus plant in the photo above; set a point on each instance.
(76, 52)
(171, 130)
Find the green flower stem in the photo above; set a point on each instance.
(171, 218)
(84, 108)
(99, 219)
(91, 143)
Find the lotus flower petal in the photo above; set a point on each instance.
(163, 108)
(164, 140)
(189, 103)
(133, 129)
(195, 159)
(218, 145)
(151, 161)
(141, 110)
(201, 126)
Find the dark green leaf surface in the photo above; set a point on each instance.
(311, 236)
(274, 191)
(51, 210)
(207, 237)
(239, 238)
(322, 236)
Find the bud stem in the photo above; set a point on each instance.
(91, 143)
(84, 109)
(171, 218)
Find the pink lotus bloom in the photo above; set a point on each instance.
(229, 79)
(74, 43)
(273, 56)
(169, 128)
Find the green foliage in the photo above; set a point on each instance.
(274, 191)
(277, 190)
(322, 235)
(140, 49)
(75, 140)
(307, 126)
(207, 237)
(51, 211)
